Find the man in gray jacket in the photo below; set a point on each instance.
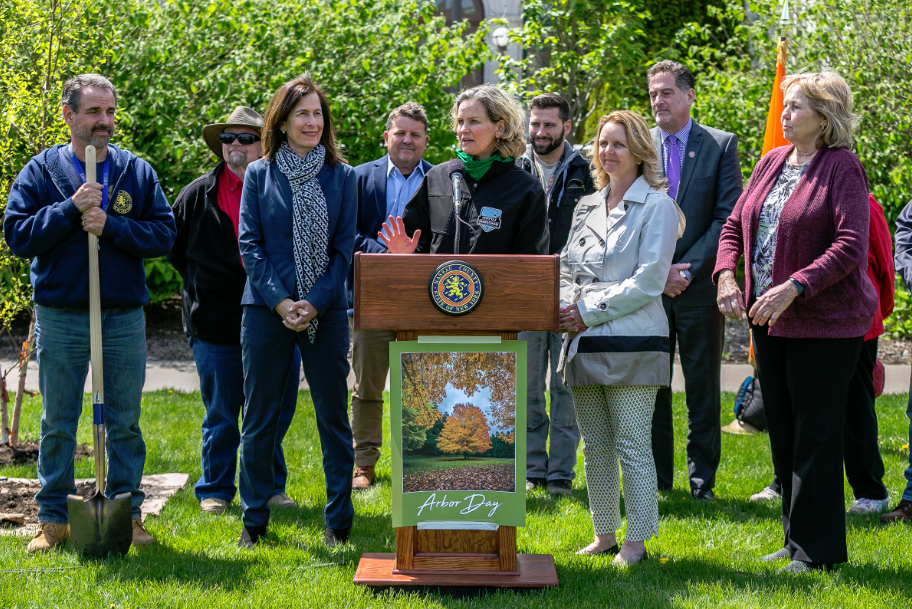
(564, 175)
(704, 178)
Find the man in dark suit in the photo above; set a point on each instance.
(384, 187)
(704, 178)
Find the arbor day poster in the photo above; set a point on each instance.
(458, 427)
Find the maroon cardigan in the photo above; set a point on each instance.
(821, 241)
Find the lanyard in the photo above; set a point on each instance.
(82, 176)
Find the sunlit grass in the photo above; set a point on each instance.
(706, 555)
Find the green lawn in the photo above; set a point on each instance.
(424, 464)
(705, 557)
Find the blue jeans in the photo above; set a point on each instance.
(565, 434)
(64, 353)
(268, 349)
(907, 495)
(221, 373)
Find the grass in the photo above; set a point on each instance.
(414, 464)
(705, 556)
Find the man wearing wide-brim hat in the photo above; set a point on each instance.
(206, 255)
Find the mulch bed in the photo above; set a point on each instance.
(17, 499)
(27, 452)
(17, 502)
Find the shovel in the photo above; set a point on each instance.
(98, 526)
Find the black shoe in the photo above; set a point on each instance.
(335, 537)
(250, 536)
(560, 487)
(706, 496)
(531, 483)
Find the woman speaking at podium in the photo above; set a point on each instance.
(503, 208)
(615, 353)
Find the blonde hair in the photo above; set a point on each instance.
(639, 141)
(830, 96)
(499, 106)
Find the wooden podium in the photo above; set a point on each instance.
(520, 293)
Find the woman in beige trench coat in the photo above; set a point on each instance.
(615, 354)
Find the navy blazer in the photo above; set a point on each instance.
(265, 236)
(372, 203)
(709, 188)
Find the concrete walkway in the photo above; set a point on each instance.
(182, 376)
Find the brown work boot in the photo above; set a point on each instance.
(363, 478)
(902, 513)
(48, 536)
(141, 536)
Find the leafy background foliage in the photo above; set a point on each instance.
(180, 65)
(39, 42)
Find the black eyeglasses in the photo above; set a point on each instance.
(244, 138)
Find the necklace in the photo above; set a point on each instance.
(800, 154)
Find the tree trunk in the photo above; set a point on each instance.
(4, 411)
(23, 369)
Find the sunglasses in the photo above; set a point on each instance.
(244, 138)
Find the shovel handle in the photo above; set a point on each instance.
(98, 429)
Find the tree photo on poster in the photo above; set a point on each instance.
(458, 421)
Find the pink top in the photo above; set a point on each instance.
(229, 196)
(880, 267)
(821, 241)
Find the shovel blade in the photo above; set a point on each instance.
(100, 526)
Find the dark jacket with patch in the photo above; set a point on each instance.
(207, 256)
(572, 182)
(506, 209)
(43, 223)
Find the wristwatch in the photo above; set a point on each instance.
(686, 275)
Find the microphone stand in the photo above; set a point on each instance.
(457, 205)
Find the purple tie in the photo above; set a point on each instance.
(674, 166)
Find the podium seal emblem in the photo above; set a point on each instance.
(455, 288)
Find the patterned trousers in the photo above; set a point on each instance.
(615, 423)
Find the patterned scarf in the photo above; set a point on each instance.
(310, 220)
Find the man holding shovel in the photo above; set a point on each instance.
(51, 211)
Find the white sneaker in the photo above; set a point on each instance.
(765, 495)
(281, 501)
(869, 506)
(213, 505)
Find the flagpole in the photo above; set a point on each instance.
(784, 20)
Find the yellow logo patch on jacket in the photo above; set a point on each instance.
(123, 203)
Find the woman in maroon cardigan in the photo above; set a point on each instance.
(802, 226)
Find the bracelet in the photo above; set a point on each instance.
(798, 286)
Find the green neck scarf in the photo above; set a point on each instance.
(477, 169)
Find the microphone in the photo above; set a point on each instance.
(456, 171)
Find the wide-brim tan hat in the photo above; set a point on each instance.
(241, 117)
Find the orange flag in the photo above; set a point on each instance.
(772, 137)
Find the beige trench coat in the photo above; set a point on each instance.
(614, 267)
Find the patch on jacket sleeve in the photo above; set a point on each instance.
(489, 219)
(123, 203)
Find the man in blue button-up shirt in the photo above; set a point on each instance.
(384, 187)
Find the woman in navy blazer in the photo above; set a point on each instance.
(297, 231)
